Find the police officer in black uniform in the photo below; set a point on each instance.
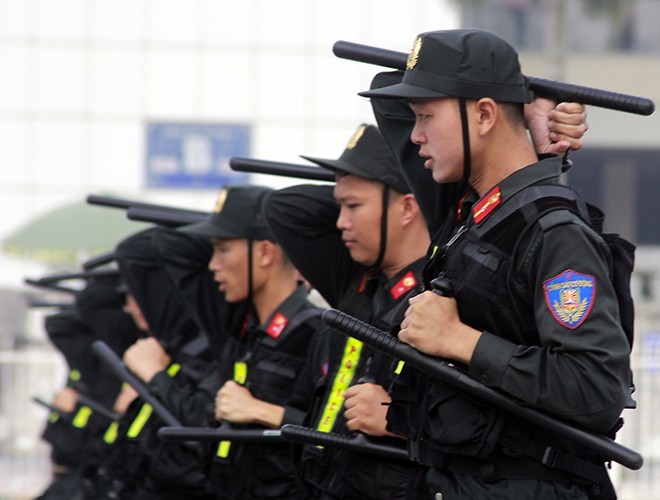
(523, 268)
(362, 246)
(261, 326)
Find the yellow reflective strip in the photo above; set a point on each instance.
(223, 449)
(399, 367)
(53, 416)
(341, 382)
(140, 421)
(81, 418)
(75, 375)
(173, 369)
(110, 435)
(240, 372)
(435, 249)
(240, 377)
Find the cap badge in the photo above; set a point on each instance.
(355, 138)
(414, 53)
(220, 201)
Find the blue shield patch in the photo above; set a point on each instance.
(570, 297)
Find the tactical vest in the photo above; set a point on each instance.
(269, 366)
(352, 362)
(447, 430)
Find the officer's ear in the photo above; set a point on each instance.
(487, 114)
(408, 207)
(265, 253)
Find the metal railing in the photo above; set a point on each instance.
(24, 458)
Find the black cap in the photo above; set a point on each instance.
(237, 214)
(367, 155)
(467, 63)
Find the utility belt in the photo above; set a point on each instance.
(538, 461)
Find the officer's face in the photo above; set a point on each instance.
(438, 133)
(229, 265)
(360, 210)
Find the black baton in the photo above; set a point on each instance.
(222, 433)
(358, 443)
(449, 374)
(98, 408)
(240, 164)
(121, 371)
(169, 218)
(65, 415)
(108, 201)
(99, 260)
(559, 91)
(100, 273)
(49, 286)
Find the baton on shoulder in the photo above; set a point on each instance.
(168, 218)
(49, 286)
(549, 88)
(223, 433)
(240, 164)
(100, 273)
(121, 371)
(108, 201)
(99, 260)
(448, 373)
(43, 303)
(359, 443)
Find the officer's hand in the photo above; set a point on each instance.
(124, 399)
(66, 400)
(432, 326)
(556, 129)
(232, 402)
(146, 357)
(364, 409)
(235, 403)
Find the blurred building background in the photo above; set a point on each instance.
(86, 86)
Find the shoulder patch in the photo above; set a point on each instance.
(277, 325)
(404, 285)
(570, 297)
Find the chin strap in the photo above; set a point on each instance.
(467, 158)
(250, 281)
(383, 226)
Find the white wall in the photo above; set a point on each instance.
(80, 78)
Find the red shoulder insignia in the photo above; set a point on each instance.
(486, 205)
(277, 324)
(404, 285)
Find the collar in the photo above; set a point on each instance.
(406, 279)
(545, 170)
(277, 321)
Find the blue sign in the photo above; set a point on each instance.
(195, 155)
